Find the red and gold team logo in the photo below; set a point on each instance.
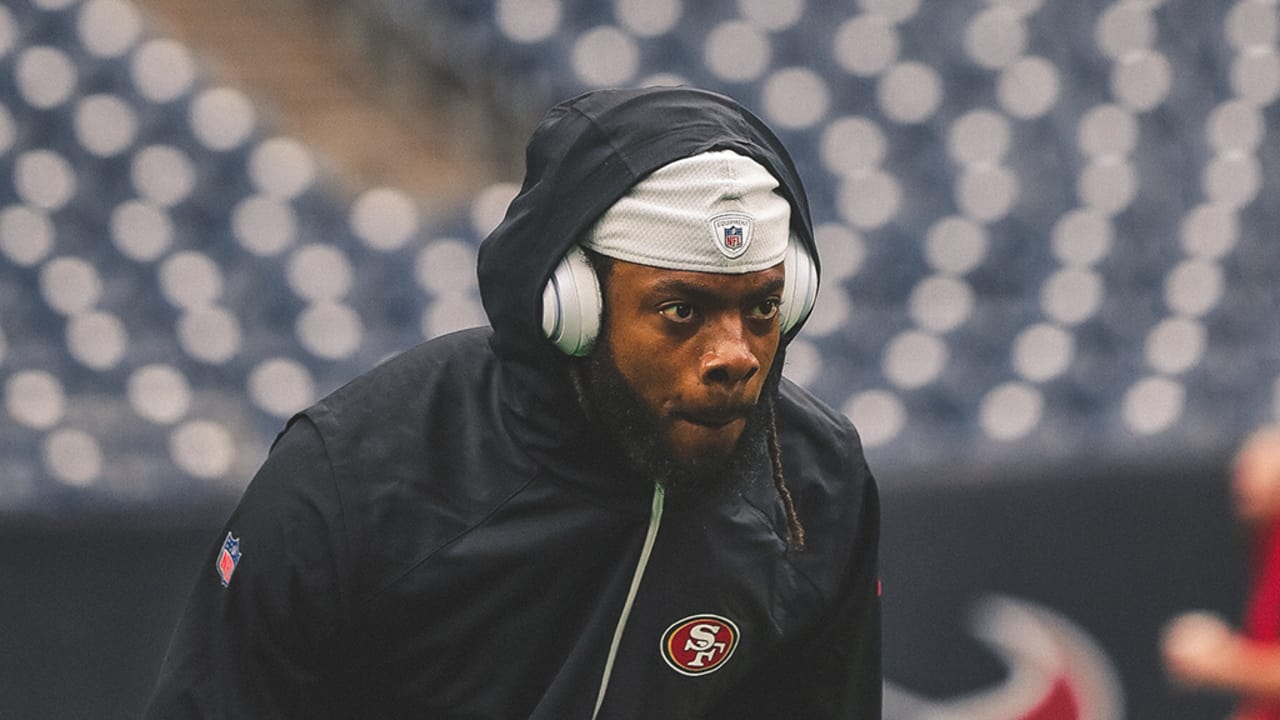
(699, 644)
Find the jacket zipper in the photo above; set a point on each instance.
(655, 519)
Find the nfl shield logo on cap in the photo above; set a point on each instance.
(228, 559)
(732, 233)
(733, 237)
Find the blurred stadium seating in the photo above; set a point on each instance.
(1045, 226)
(178, 279)
(1048, 228)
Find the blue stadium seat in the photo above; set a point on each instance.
(1077, 204)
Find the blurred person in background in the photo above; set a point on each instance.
(610, 505)
(1200, 650)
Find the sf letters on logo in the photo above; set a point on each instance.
(703, 644)
(699, 644)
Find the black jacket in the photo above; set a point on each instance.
(447, 537)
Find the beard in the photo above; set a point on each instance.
(634, 428)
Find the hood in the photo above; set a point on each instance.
(584, 155)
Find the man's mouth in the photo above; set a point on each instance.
(713, 418)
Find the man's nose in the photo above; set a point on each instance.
(728, 359)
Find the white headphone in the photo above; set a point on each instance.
(572, 304)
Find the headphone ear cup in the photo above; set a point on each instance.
(800, 289)
(571, 304)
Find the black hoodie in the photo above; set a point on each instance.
(448, 537)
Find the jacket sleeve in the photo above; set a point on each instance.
(260, 645)
(832, 672)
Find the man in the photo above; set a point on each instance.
(1199, 649)
(611, 505)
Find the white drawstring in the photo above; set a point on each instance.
(655, 519)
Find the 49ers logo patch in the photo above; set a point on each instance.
(699, 644)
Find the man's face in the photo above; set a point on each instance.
(695, 350)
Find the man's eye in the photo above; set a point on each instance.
(679, 312)
(766, 310)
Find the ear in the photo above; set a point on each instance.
(571, 304)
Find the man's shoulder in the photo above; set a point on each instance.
(403, 396)
(461, 350)
(801, 412)
(413, 376)
(827, 472)
(415, 452)
(821, 449)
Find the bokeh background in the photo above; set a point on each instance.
(1050, 299)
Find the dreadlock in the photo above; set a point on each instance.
(795, 531)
